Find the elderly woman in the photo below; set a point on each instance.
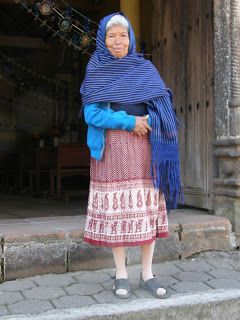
(132, 137)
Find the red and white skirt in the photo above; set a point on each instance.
(123, 207)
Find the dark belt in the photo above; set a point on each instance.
(139, 109)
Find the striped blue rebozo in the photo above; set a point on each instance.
(133, 79)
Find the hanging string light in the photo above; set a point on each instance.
(80, 15)
(21, 86)
(46, 7)
(68, 24)
(27, 82)
(65, 24)
(6, 59)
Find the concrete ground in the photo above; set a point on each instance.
(205, 286)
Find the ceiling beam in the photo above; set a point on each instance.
(23, 42)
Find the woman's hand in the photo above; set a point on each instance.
(141, 126)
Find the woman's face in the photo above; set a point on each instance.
(117, 41)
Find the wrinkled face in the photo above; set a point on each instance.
(117, 41)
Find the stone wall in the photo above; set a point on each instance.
(227, 111)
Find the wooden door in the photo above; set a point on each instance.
(183, 53)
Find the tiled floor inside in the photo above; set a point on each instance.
(28, 216)
(26, 206)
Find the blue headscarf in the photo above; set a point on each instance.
(132, 79)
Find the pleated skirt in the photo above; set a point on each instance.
(124, 209)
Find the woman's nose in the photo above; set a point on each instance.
(117, 40)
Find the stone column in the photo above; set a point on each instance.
(132, 10)
(227, 111)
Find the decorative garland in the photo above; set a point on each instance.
(40, 95)
(5, 59)
(69, 25)
(27, 83)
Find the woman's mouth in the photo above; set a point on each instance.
(118, 49)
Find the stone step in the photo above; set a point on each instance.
(217, 305)
(34, 246)
(206, 286)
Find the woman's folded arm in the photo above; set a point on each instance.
(100, 115)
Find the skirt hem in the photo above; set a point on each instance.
(124, 244)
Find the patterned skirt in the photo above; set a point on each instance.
(123, 207)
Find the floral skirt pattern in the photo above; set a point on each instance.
(124, 209)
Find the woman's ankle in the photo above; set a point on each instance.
(121, 274)
(146, 275)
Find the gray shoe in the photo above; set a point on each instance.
(121, 284)
(152, 285)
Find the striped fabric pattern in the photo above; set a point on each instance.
(132, 79)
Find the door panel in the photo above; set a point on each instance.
(183, 53)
